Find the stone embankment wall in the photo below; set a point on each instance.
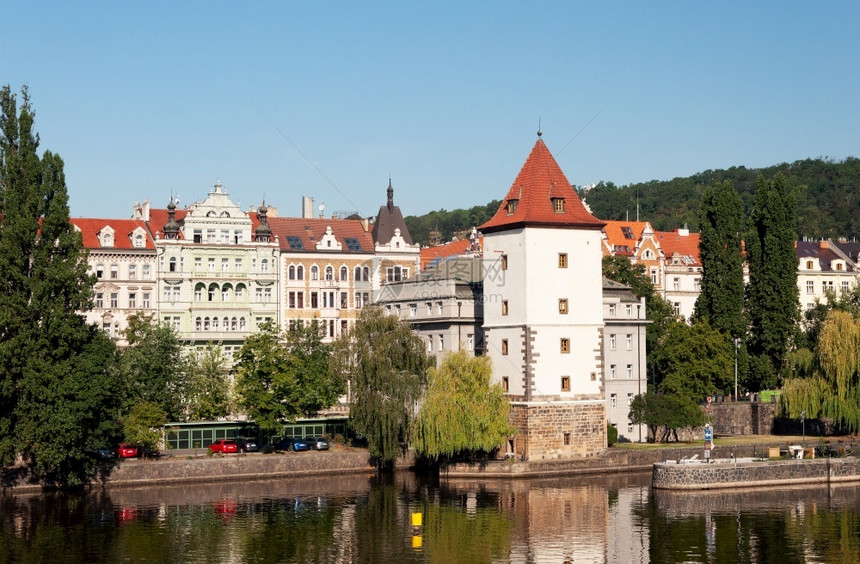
(613, 460)
(753, 474)
(742, 418)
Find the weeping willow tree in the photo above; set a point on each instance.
(385, 363)
(462, 413)
(828, 382)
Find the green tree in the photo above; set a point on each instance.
(208, 389)
(461, 412)
(772, 296)
(153, 366)
(721, 300)
(828, 384)
(667, 411)
(57, 387)
(144, 424)
(814, 318)
(386, 364)
(282, 376)
(694, 361)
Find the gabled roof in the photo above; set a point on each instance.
(123, 229)
(301, 235)
(538, 184)
(680, 242)
(623, 236)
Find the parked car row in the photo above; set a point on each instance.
(126, 450)
(220, 446)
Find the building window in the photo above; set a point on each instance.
(845, 286)
(566, 439)
(676, 307)
(300, 272)
(504, 262)
(132, 272)
(264, 266)
(145, 271)
(654, 276)
(314, 300)
(611, 310)
(629, 371)
(676, 283)
(612, 341)
(100, 299)
(810, 287)
(613, 400)
(132, 299)
(565, 383)
(612, 372)
(470, 342)
(225, 265)
(114, 299)
(565, 345)
(504, 307)
(315, 272)
(344, 274)
(511, 206)
(441, 342)
(394, 274)
(629, 399)
(562, 260)
(562, 305)
(100, 271)
(809, 265)
(505, 384)
(344, 300)
(329, 272)
(558, 205)
(504, 346)
(291, 300)
(413, 310)
(628, 341)
(146, 300)
(697, 284)
(114, 271)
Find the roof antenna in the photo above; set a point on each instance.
(539, 131)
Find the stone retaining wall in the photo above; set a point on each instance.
(725, 474)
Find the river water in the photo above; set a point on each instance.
(369, 519)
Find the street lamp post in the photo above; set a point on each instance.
(737, 344)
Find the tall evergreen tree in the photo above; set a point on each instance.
(772, 295)
(57, 385)
(721, 301)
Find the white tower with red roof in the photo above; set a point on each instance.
(543, 317)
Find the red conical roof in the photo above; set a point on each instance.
(533, 198)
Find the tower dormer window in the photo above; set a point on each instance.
(558, 205)
(512, 206)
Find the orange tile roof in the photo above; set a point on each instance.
(123, 228)
(310, 231)
(454, 248)
(671, 242)
(539, 181)
(618, 241)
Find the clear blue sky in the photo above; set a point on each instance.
(326, 99)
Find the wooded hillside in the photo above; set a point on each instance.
(828, 200)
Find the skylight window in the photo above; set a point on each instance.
(352, 244)
(628, 232)
(295, 242)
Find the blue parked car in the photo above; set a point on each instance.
(292, 445)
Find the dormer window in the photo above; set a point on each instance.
(512, 206)
(558, 205)
(809, 265)
(838, 266)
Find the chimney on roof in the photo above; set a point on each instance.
(365, 224)
(145, 211)
(307, 207)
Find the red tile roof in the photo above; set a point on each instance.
(618, 240)
(158, 217)
(123, 229)
(451, 249)
(672, 242)
(310, 231)
(539, 182)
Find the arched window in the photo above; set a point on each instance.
(225, 214)
(172, 264)
(357, 275)
(241, 324)
(198, 325)
(233, 324)
(205, 323)
(226, 323)
(300, 273)
(138, 241)
(226, 292)
(213, 290)
(264, 266)
(329, 272)
(214, 323)
(240, 292)
(366, 273)
(315, 272)
(344, 274)
(198, 292)
(291, 272)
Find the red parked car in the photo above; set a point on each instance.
(224, 446)
(125, 450)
